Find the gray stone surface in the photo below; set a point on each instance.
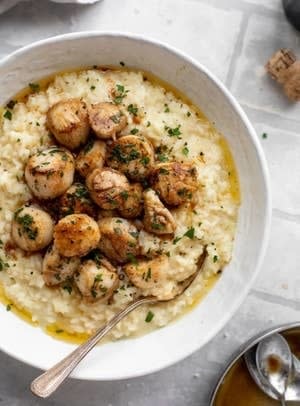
(233, 38)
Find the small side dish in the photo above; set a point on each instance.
(111, 187)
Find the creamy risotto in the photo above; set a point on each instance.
(111, 186)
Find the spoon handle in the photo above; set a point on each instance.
(45, 384)
(282, 400)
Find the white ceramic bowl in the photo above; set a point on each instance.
(143, 355)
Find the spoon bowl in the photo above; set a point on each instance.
(274, 364)
(292, 393)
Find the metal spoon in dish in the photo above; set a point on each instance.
(292, 393)
(44, 385)
(274, 362)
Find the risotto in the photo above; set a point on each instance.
(147, 232)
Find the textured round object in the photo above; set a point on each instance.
(76, 235)
(32, 228)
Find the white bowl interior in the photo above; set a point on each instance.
(128, 358)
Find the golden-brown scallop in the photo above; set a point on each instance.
(57, 268)
(106, 187)
(152, 277)
(50, 172)
(92, 156)
(131, 205)
(96, 280)
(157, 219)
(106, 119)
(174, 182)
(76, 200)
(76, 235)
(119, 239)
(32, 228)
(68, 122)
(132, 155)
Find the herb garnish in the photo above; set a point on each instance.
(120, 94)
(264, 135)
(134, 131)
(185, 151)
(35, 87)
(174, 132)
(27, 222)
(132, 108)
(7, 115)
(149, 316)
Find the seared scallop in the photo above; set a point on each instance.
(76, 235)
(106, 119)
(96, 280)
(106, 187)
(57, 268)
(132, 155)
(76, 200)
(157, 219)
(32, 228)
(174, 182)
(119, 239)
(152, 278)
(50, 172)
(68, 122)
(131, 204)
(92, 156)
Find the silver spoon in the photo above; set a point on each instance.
(292, 393)
(44, 385)
(274, 362)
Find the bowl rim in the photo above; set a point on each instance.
(261, 159)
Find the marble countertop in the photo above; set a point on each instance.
(234, 39)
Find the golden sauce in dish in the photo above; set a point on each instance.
(58, 331)
(238, 388)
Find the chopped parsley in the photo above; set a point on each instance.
(264, 135)
(132, 258)
(27, 223)
(188, 114)
(7, 115)
(149, 317)
(174, 132)
(59, 331)
(93, 87)
(134, 131)
(35, 87)
(190, 233)
(98, 278)
(116, 118)
(176, 239)
(132, 108)
(145, 160)
(122, 63)
(120, 93)
(3, 265)
(8, 307)
(167, 110)
(148, 124)
(88, 146)
(124, 196)
(215, 258)
(185, 151)
(126, 154)
(157, 226)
